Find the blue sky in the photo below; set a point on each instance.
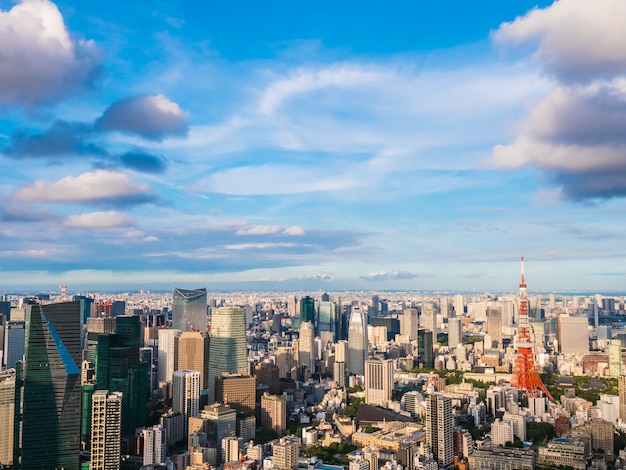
(298, 145)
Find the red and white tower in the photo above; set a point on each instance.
(525, 374)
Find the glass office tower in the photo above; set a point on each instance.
(189, 310)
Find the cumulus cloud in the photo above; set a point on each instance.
(152, 117)
(106, 219)
(98, 187)
(60, 140)
(577, 137)
(575, 40)
(39, 61)
(394, 275)
(294, 230)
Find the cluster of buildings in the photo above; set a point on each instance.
(251, 381)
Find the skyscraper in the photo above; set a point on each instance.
(228, 349)
(306, 354)
(425, 348)
(307, 309)
(192, 353)
(154, 445)
(378, 381)
(7, 415)
(573, 334)
(615, 358)
(52, 388)
(106, 430)
(327, 318)
(274, 413)
(166, 353)
(410, 323)
(439, 428)
(494, 327)
(238, 391)
(186, 394)
(357, 341)
(455, 335)
(189, 309)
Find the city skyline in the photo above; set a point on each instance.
(396, 147)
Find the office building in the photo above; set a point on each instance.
(327, 318)
(573, 335)
(51, 404)
(192, 353)
(285, 454)
(428, 320)
(268, 374)
(228, 347)
(238, 391)
(106, 430)
(378, 381)
(439, 428)
(189, 309)
(7, 416)
(306, 351)
(357, 341)
(494, 327)
(286, 362)
(231, 447)
(425, 357)
(621, 381)
(409, 323)
(166, 353)
(186, 394)
(14, 341)
(455, 332)
(154, 445)
(615, 358)
(222, 423)
(274, 413)
(307, 310)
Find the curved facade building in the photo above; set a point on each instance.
(189, 310)
(227, 346)
(357, 341)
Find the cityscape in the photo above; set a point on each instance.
(312, 235)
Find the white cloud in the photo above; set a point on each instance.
(390, 276)
(575, 39)
(294, 230)
(258, 230)
(105, 219)
(39, 60)
(101, 186)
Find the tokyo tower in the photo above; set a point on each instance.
(525, 374)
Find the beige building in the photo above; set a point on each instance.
(285, 454)
(238, 391)
(378, 382)
(106, 430)
(502, 458)
(7, 410)
(573, 335)
(192, 352)
(274, 413)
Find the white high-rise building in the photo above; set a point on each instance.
(455, 335)
(357, 341)
(428, 320)
(378, 382)
(166, 353)
(615, 358)
(306, 352)
(458, 305)
(439, 428)
(501, 433)
(286, 452)
(186, 393)
(106, 430)
(410, 323)
(154, 445)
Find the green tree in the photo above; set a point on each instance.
(539, 433)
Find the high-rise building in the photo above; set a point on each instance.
(154, 445)
(286, 361)
(439, 428)
(166, 353)
(222, 422)
(106, 430)
(52, 387)
(274, 413)
(425, 357)
(501, 432)
(428, 320)
(410, 323)
(573, 335)
(228, 349)
(357, 341)
(615, 358)
(306, 351)
(231, 447)
(189, 309)
(238, 391)
(268, 374)
(375, 305)
(7, 416)
(186, 394)
(286, 452)
(192, 353)
(621, 381)
(307, 310)
(455, 332)
(458, 305)
(327, 318)
(378, 381)
(14, 341)
(494, 327)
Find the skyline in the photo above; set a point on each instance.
(337, 147)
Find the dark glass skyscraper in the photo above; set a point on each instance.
(307, 309)
(189, 310)
(425, 348)
(51, 404)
